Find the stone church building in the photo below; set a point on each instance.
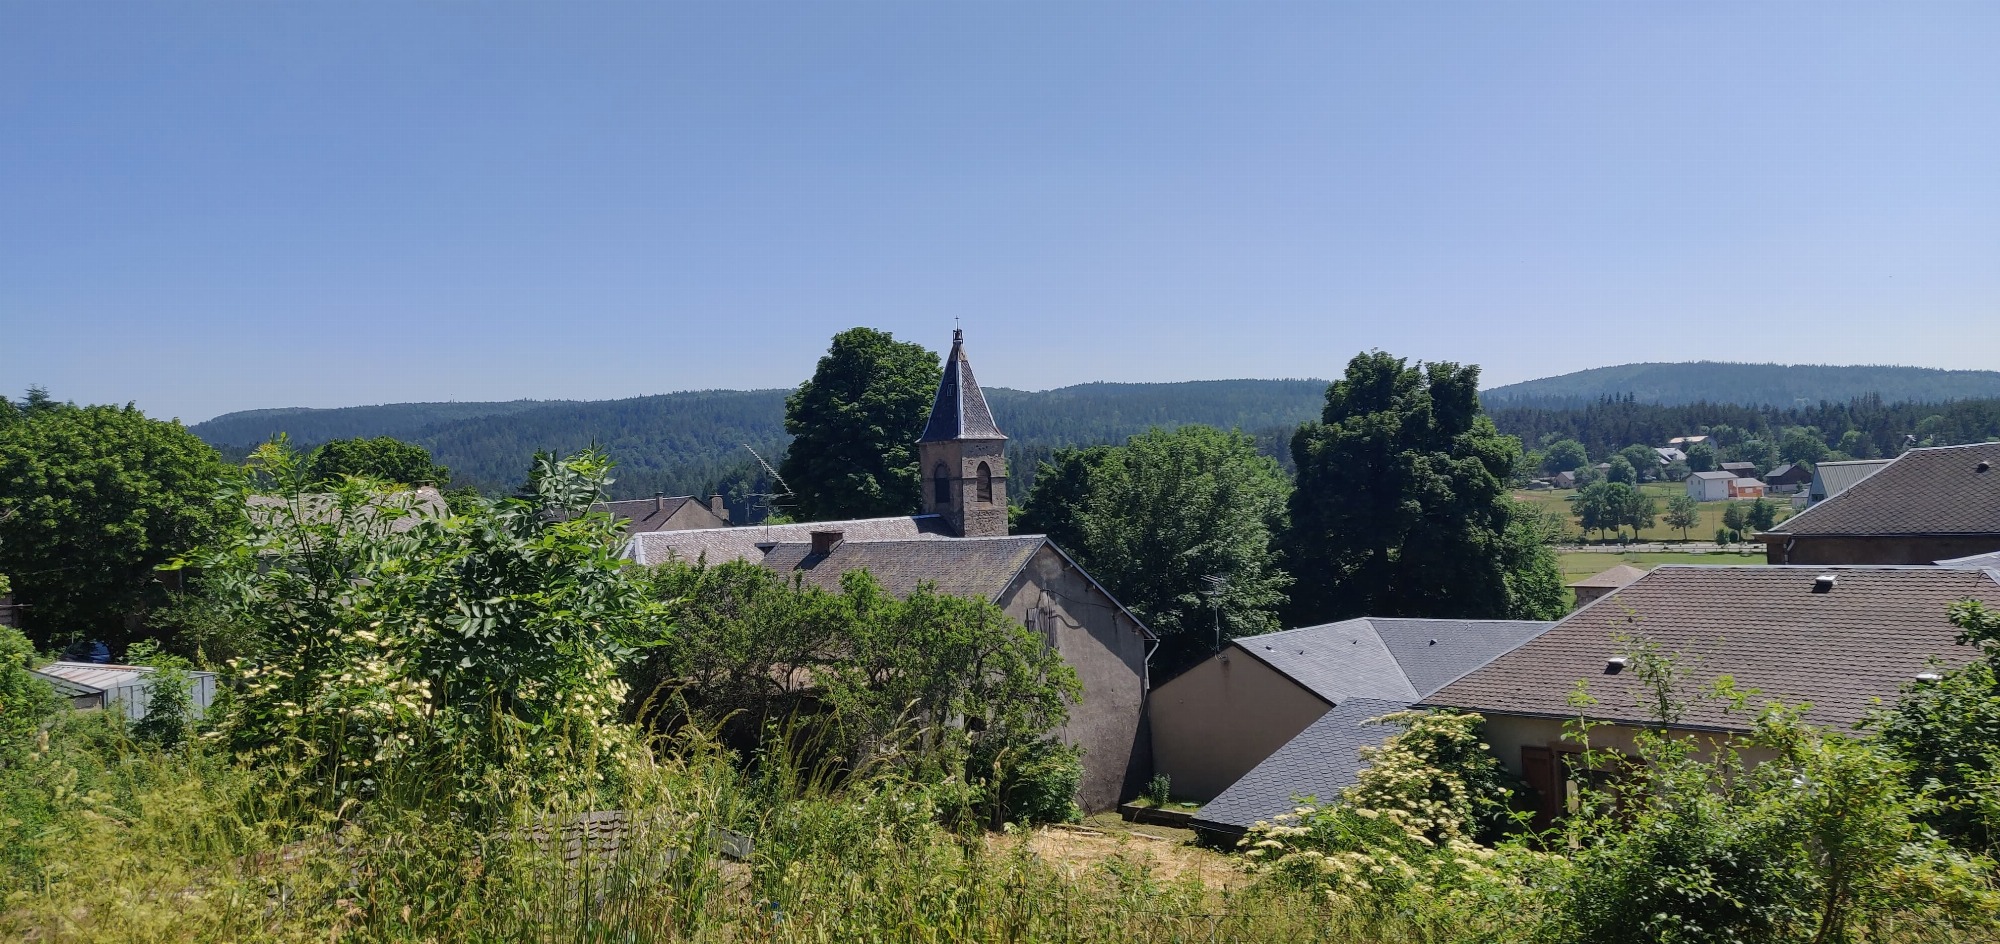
(958, 543)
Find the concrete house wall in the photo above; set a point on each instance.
(1214, 722)
(1108, 652)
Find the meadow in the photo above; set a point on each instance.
(1557, 502)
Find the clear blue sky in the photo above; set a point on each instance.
(212, 207)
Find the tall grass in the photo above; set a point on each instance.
(110, 840)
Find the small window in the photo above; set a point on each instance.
(985, 483)
(942, 484)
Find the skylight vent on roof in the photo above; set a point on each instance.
(1983, 466)
(1929, 677)
(1824, 583)
(1615, 665)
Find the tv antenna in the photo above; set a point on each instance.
(1215, 586)
(770, 498)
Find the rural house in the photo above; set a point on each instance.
(1742, 470)
(1590, 588)
(661, 513)
(1746, 488)
(1709, 486)
(1789, 478)
(1929, 504)
(1842, 639)
(1280, 715)
(1685, 443)
(958, 544)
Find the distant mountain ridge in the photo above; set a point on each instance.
(691, 442)
(1674, 384)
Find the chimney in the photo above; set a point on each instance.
(715, 505)
(659, 502)
(825, 541)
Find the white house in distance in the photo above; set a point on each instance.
(1710, 486)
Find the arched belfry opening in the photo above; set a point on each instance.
(966, 453)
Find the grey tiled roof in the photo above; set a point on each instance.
(747, 543)
(1765, 627)
(1384, 657)
(965, 567)
(1924, 491)
(960, 411)
(1987, 561)
(1716, 476)
(1320, 762)
(1335, 661)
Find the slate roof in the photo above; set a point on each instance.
(1937, 490)
(646, 514)
(1363, 668)
(964, 567)
(1832, 478)
(1320, 762)
(1742, 469)
(960, 411)
(1987, 561)
(1791, 473)
(1766, 627)
(748, 542)
(1614, 578)
(1715, 476)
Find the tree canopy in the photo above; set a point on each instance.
(382, 457)
(855, 426)
(93, 500)
(1400, 507)
(1156, 518)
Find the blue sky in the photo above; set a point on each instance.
(212, 207)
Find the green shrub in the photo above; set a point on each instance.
(1160, 790)
(1028, 780)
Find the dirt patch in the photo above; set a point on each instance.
(1077, 851)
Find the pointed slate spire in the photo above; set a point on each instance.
(960, 411)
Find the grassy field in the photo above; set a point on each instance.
(1558, 501)
(1578, 566)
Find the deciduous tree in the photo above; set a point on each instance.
(1400, 507)
(92, 501)
(1156, 518)
(855, 426)
(1684, 513)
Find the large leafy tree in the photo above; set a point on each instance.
(427, 662)
(383, 457)
(92, 501)
(1948, 730)
(855, 425)
(1401, 507)
(1156, 518)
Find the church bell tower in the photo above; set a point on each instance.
(963, 455)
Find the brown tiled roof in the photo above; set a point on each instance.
(963, 567)
(1615, 577)
(1766, 627)
(1924, 491)
(747, 543)
(960, 411)
(647, 514)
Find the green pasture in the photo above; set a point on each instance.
(1558, 501)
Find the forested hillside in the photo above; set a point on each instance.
(306, 425)
(683, 443)
(1755, 384)
(1865, 427)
